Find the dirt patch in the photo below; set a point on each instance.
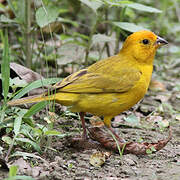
(162, 165)
(69, 163)
(146, 123)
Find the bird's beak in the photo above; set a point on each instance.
(160, 41)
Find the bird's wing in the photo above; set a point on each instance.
(94, 82)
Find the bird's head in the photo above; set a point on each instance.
(142, 45)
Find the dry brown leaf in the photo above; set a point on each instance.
(163, 98)
(102, 140)
(51, 118)
(165, 123)
(130, 147)
(24, 73)
(97, 159)
(23, 166)
(162, 123)
(53, 27)
(96, 121)
(156, 86)
(28, 76)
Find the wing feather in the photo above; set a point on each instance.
(102, 77)
(91, 82)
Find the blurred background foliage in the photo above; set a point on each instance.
(67, 35)
(58, 37)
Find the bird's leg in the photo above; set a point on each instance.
(107, 122)
(84, 135)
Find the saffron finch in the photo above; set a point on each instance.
(109, 86)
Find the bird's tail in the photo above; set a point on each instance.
(66, 99)
(30, 99)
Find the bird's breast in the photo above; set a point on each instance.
(111, 104)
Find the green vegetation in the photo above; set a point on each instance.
(58, 37)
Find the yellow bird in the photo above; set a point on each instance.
(109, 86)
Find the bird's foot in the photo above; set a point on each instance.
(85, 136)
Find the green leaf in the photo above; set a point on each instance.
(148, 151)
(52, 133)
(93, 4)
(36, 84)
(12, 7)
(131, 27)
(55, 133)
(46, 15)
(74, 23)
(36, 108)
(13, 171)
(66, 56)
(6, 122)
(29, 121)
(132, 119)
(1, 150)
(25, 154)
(18, 121)
(76, 34)
(7, 140)
(20, 11)
(17, 82)
(5, 19)
(36, 146)
(98, 38)
(142, 7)
(5, 70)
(115, 2)
(153, 149)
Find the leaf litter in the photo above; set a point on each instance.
(70, 162)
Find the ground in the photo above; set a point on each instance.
(65, 162)
(147, 122)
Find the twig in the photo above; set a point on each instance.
(10, 149)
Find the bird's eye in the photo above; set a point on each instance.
(145, 41)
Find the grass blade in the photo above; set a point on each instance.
(35, 108)
(35, 84)
(5, 70)
(35, 145)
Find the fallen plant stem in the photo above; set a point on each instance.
(10, 149)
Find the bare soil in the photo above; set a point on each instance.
(62, 161)
(65, 162)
